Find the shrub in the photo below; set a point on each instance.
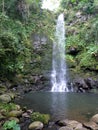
(11, 125)
(36, 116)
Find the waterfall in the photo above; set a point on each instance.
(58, 75)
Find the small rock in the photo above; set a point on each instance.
(14, 118)
(66, 128)
(30, 111)
(17, 107)
(25, 115)
(95, 118)
(36, 125)
(78, 14)
(15, 113)
(63, 122)
(5, 98)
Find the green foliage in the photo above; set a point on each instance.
(19, 9)
(11, 125)
(36, 116)
(18, 21)
(7, 107)
(87, 6)
(93, 50)
(88, 62)
(71, 62)
(14, 46)
(75, 41)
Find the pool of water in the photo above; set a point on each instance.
(77, 106)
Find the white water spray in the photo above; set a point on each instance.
(58, 76)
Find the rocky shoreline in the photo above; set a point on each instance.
(79, 83)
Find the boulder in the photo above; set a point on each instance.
(91, 125)
(95, 118)
(5, 98)
(80, 85)
(91, 83)
(74, 124)
(15, 113)
(70, 123)
(36, 125)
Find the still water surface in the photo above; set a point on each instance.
(77, 106)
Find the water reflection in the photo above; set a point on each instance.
(58, 105)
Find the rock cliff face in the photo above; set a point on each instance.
(41, 53)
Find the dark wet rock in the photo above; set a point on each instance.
(62, 122)
(36, 125)
(91, 83)
(80, 85)
(85, 85)
(73, 51)
(24, 123)
(2, 117)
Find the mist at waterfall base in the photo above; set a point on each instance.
(58, 75)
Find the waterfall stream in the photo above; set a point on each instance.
(58, 75)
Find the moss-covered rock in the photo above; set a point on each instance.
(15, 113)
(36, 116)
(5, 98)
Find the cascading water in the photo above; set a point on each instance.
(58, 76)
